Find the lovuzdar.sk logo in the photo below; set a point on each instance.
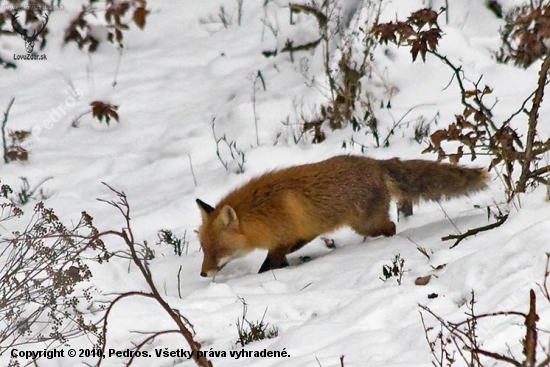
(29, 39)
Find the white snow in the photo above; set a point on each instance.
(184, 70)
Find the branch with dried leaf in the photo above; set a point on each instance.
(476, 128)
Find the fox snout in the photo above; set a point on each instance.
(209, 268)
(208, 271)
(211, 273)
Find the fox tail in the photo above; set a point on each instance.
(411, 180)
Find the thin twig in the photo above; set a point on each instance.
(192, 170)
(255, 107)
(4, 122)
(147, 340)
(496, 356)
(179, 282)
(447, 216)
(115, 80)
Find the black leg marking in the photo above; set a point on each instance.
(299, 244)
(273, 262)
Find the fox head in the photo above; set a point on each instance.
(220, 236)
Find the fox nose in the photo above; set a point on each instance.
(203, 274)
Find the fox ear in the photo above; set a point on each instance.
(205, 209)
(228, 216)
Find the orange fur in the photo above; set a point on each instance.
(282, 210)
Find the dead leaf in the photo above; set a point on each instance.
(422, 280)
(139, 17)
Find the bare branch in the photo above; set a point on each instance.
(474, 231)
(182, 323)
(4, 122)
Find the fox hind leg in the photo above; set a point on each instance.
(372, 218)
(405, 207)
(386, 229)
(375, 226)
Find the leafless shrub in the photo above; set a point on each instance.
(42, 268)
(459, 340)
(167, 237)
(251, 331)
(346, 104)
(223, 144)
(27, 193)
(13, 151)
(183, 326)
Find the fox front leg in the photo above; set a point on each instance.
(274, 260)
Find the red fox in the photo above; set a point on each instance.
(283, 210)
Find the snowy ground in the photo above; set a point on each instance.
(183, 71)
